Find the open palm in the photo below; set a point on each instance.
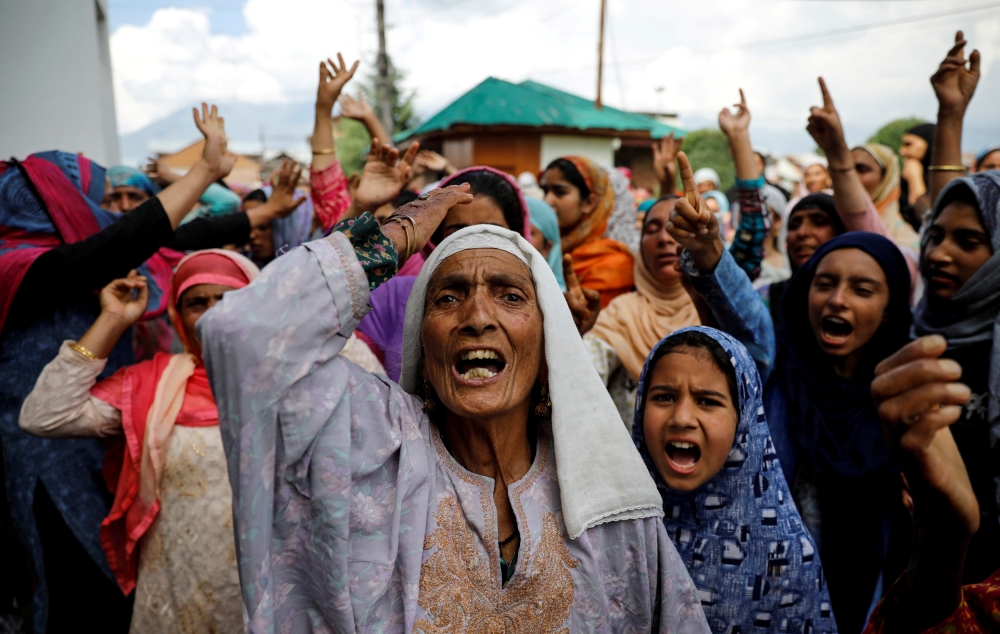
(384, 175)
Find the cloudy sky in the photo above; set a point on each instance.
(876, 55)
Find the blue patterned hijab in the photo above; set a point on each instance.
(752, 559)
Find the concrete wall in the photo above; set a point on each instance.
(55, 79)
(600, 149)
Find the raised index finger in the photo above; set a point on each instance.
(929, 347)
(827, 99)
(687, 174)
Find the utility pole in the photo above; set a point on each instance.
(384, 100)
(600, 55)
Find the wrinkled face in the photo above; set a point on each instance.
(913, 147)
(564, 197)
(538, 241)
(847, 302)
(957, 247)
(483, 210)
(808, 229)
(193, 304)
(868, 169)
(705, 186)
(482, 333)
(990, 162)
(689, 418)
(660, 252)
(124, 199)
(816, 178)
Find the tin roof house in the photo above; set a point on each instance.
(522, 127)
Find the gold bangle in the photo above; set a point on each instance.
(843, 170)
(329, 150)
(410, 245)
(83, 352)
(947, 168)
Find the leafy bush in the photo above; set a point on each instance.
(891, 134)
(710, 148)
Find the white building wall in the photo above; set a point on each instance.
(55, 79)
(599, 149)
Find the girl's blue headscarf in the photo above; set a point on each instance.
(544, 218)
(752, 559)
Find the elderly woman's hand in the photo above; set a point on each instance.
(426, 213)
(584, 303)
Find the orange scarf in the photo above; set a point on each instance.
(601, 264)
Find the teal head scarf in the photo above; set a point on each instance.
(544, 218)
(124, 176)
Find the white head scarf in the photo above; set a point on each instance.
(601, 476)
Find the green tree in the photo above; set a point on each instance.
(891, 134)
(710, 148)
(352, 142)
(403, 115)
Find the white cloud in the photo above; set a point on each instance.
(448, 46)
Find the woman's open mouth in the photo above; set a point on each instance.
(479, 365)
(683, 456)
(835, 331)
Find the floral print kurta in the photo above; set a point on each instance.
(350, 513)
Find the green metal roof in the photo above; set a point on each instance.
(499, 102)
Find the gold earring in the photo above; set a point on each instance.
(430, 399)
(544, 407)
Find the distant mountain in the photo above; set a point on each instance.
(251, 127)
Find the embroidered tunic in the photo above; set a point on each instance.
(350, 513)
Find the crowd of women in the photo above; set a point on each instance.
(438, 400)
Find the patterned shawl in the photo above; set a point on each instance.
(755, 565)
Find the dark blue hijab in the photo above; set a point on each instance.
(832, 421)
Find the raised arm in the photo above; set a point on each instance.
(919, 397)
(715, 275)
(748, 246)
(359, 110)
(60, 405)
(824, 126)
(954, 85)
(216, 161)
(331, 83)
(665, 162)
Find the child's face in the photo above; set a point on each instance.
(690, 418)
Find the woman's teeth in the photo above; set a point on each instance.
(479, 354)
(479, 373)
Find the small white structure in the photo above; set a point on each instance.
(55, 79)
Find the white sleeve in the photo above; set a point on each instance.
(61, 406)
(604, 357)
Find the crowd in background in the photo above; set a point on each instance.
(797, 375)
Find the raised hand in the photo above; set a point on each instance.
(427, 212)
(159, 173)
(735, 123)
(665, 161)
(918, 397)
(331, 82)
(584, 303)
(283, 195)
(953, 83)
(125, 299)
(433, 161)
(357, 109)
(693, 225)
(384, 175)
(215, 155)
(824, 124)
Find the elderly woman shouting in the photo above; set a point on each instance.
(495, 489)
